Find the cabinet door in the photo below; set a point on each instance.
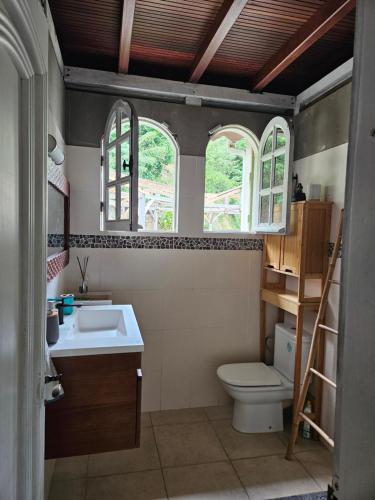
(101, 408)
(272, 249)
(291, 245)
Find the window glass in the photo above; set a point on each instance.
(111, 199)
(280, 138)
(113, 132)
(268, 145)
(277, 208)
(264, 208)
(227, 182)
(125, 124)
(266, 174)
(157, 179)
(125, 201)
(278, 178)
(112, 163)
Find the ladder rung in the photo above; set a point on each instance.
(318, 429)
(335, 282)
(323, 377)
(328, 329)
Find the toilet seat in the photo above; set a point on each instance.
(249, 375)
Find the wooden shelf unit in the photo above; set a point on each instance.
(301, 255)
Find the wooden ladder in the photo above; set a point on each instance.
(319, 329)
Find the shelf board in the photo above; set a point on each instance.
(279, 271)
(287, 300)
(308, 276)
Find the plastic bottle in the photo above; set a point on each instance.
(306, 430)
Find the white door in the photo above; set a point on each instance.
(10, 303)
(23, 151)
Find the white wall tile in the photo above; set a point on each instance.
(178, 353)
(178, 309)
(84, 212)
(148, 309)
(83, 168)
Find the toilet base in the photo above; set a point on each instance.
(252, 418)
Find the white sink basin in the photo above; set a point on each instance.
(99, 323)
(98, 330)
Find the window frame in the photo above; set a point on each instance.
(120, 108)
(285, 189)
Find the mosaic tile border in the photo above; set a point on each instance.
(163, 242)
(160, 242)
(56, 241)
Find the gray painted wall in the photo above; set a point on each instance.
(323, 125)
(56, 91)
(86, 114)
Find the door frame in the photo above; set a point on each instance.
(24, 36)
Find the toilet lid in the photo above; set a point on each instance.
(248, 375)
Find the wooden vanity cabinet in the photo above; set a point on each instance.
(101, 407)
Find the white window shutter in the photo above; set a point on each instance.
(120, 169)
(273, 179)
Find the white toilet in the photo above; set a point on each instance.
(258, 390)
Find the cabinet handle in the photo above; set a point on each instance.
(139, 374)
(270, 266)
(288, 270)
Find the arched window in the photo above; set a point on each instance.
(152, 182)
(230, 157)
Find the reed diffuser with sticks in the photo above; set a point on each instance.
(83, 288)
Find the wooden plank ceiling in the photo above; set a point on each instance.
(231, 43)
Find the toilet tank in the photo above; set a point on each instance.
(285, 348)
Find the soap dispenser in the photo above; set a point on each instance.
(52, 323)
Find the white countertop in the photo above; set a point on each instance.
(70, 344)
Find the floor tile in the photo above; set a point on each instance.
(204, 482)
(241, 445)
(185, 416)
(145, 420)
(219, 412)
(274, 477)
(120, 462)
(319, 464)
(70, 467)
(72, 489)
(185, 444)
(134, 486)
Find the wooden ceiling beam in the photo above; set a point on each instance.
(316, 27)
(126, 35)
(226, 17)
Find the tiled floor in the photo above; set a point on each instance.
(195, 454)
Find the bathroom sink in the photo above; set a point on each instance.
(99, 323)
(106, 329)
